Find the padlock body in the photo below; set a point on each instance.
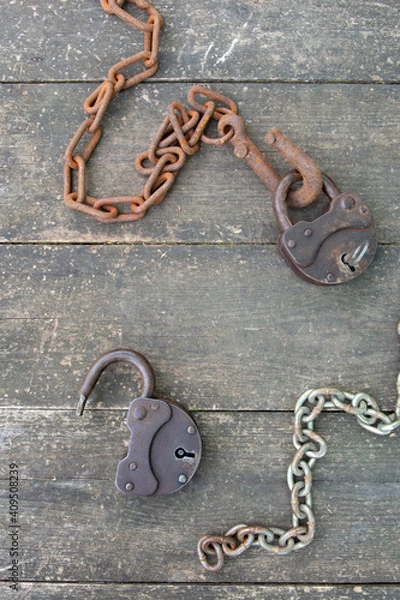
(334, 248)
(164, 451)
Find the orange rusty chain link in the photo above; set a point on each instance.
(177, 137)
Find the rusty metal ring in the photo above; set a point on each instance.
(280, 200)
(174, 165)
(215, 96)
(221, 140)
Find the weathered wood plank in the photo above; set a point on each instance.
(239, 39)
(90, 447)
(352, 131)
(92, 591)
(225, 327)
(75, 526)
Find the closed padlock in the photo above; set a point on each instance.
(165, 446)
(334, 248)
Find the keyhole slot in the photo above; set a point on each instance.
(344, 261)
(181, 453)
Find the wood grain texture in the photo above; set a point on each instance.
(77, 527)
(258, 443)
(352, 131)
(226, 327)
(198, 287)
(165, 591)
(232, 39)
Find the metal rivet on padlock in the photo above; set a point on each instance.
(165, 446)
(334, 248)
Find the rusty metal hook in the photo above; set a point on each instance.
(106, 359)
(306, 166)
(245, 148)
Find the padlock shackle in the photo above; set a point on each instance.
(280, 205)
(117, 355)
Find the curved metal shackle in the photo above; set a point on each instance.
(106, 359)
(280, 200)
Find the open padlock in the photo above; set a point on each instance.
(165, 447)
(334, 248)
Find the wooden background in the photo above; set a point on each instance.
(199, 288)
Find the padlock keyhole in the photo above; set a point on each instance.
(181, 453)
(352, 269)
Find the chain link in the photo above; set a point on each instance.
(177, 137)
(96, 105)
(309, 446)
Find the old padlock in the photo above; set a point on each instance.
(334, 248)
(165, 446)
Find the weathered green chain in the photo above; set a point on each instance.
(309, 447)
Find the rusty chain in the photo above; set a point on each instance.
(105, 209)
(178, 136)
(309, 446)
